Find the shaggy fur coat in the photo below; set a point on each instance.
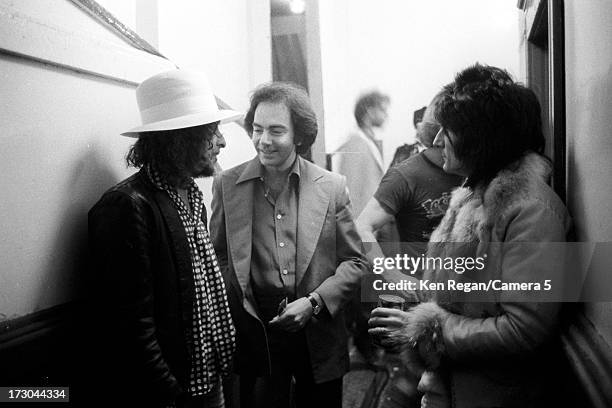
(496, 343)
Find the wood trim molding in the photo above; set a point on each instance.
(108, 20)
(537, 25)
(14, 332)
(545, 28)
(41, 41)
(556, 46)
(591, 358)
(40, 349)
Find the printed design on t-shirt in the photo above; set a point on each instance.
(436, 208)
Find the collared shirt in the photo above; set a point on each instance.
(212, 329)
(273, 256)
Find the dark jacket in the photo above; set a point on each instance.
(142, 293)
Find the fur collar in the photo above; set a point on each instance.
(472, 212)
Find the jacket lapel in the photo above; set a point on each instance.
(180, 246)
(238, 197)
(312, 209)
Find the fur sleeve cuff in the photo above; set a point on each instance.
(426, 322)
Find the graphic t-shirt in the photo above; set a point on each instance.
(417, 193)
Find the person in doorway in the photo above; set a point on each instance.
(286, 241)
(162, 318)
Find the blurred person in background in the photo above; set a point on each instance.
(360, 158)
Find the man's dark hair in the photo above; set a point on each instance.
(495, 119)
(482, 74)
(172, 152)
(367, 101)
(417, 116)
(303, 118)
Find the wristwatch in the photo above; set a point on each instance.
(316, 307)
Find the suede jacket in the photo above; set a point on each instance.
(497, 342)
(329, 261)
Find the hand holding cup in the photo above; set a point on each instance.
(388, 321)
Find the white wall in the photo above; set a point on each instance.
(588, 59)
(230, 40)
(59, 153)
(589, 124)
(216, 37)
(67, 92)
(408, 49)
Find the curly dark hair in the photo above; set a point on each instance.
(172, 152)
(303, 118)
(495, 119)
(367, 101)
(417, 116)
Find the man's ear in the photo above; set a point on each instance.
(367, 116)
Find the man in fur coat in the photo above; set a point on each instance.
(492, 347)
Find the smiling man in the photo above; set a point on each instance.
(291, 256)
(163, 323)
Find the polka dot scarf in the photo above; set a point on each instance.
(213, 332)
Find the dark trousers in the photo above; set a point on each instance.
(289, 360)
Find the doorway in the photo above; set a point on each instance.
(546, 77)
(296, 57)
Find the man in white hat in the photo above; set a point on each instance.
(163, 322)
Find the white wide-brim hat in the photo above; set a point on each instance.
(177, 99)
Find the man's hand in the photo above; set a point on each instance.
(391, 327)
(294, 317)
(421, 326)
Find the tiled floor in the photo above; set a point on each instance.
(357, 383)
(383, 385)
